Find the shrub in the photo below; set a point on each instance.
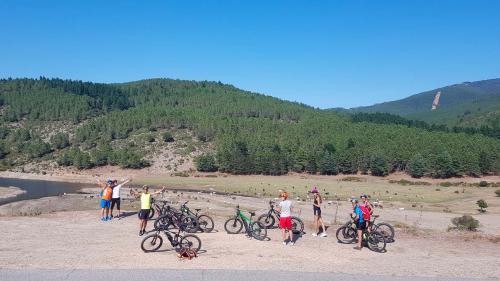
(59, 140)
(206, 163)
(37, 149)
(167, 137)
(379, 166)
(416, 166)
(482, 205)
(497, 192)
(465, 222)
(150, 138)
(483, 184)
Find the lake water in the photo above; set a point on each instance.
(38, 188)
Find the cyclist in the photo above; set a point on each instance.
(115, 198)
(285, 209)
(105, 193)
(145, 206)
(360, 222)
(367, 209)
(317, 213)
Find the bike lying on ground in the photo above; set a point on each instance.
(172, 218)
(253, 229)
(272, 217)
(205, 223)
(348, 234)
(153, 242)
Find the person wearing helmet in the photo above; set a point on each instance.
(285, 209)
(106, 193)
(145, 206)
(115, 198)
(360, 222)
(318, 220)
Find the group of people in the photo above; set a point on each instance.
(110, 197)
(361, 214)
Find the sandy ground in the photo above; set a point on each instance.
(10, 191)
(59, 239)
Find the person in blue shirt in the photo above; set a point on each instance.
(360, 222)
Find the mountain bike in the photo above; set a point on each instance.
(172, 218)
(384, 228)
(205, 223)
(153, 242)
(253, 229)
(348, 234)
(272, 217)
(155, 208)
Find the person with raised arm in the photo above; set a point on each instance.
(145, 206)
(115, 198)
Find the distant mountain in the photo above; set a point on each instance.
(466, 104)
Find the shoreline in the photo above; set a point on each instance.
(7, 192)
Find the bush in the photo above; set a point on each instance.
(482, 205)
(379, 166)
(127, 158)
(167, 137)
(150, 138)
(206, 163)
(497, 192)
(483, 184)
(416, 166)
(59, 140)
(37, 149)
(465, 222)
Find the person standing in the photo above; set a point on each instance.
(367, 209)
(145, 206)
(115, 198)
(360, 222)
(318, 220)
(106, 194)
(285, 209)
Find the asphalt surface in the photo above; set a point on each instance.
(194, 275)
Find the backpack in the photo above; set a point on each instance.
(366, 212)
(187, 254)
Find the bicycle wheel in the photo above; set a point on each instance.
(258, 230)
(346, 235)
(233, 226)
(205, 223)
(190, 241)
(266, 220)
(162, 222)
(297, 225)
(387, 230)
(151, 243)
(191, 223)
(151, 213)
(376, 241)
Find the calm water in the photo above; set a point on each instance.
(37, 188)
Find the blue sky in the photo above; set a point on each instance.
(322, 53)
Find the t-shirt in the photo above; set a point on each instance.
(145, 201)
(116, 191)
(285, 208)
(358, 212)
(106, 193)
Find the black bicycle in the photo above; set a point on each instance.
(172, 218)
(272, 217)
(156, 208)
(348, 234)
(253, 229)
(205, 222)
(153, 242)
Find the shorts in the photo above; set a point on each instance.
(144, 214)
(286, 223)
(105, 203)
(317, 211)
(361, 225)
(115, 201)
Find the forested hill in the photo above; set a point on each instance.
(71, 123)
(469, 104)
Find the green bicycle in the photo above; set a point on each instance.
(253, 229)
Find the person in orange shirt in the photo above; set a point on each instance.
(106, 194)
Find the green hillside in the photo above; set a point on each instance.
(468, 104)
(136, 124)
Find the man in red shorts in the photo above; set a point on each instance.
(285, 209)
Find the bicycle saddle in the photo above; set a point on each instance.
(197, 210)
(252, 213)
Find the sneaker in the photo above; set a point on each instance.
(315, 234)
(291, 243)
(284, 243)
(103, 219)
(323, 234)
(141, 232)
(110, 218)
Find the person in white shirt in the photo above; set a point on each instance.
(115, 198)
(285, 209)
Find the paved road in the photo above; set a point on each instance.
(193, 275)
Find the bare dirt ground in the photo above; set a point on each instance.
(10, 191)
(67, 234)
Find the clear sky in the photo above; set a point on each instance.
(322, 53)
